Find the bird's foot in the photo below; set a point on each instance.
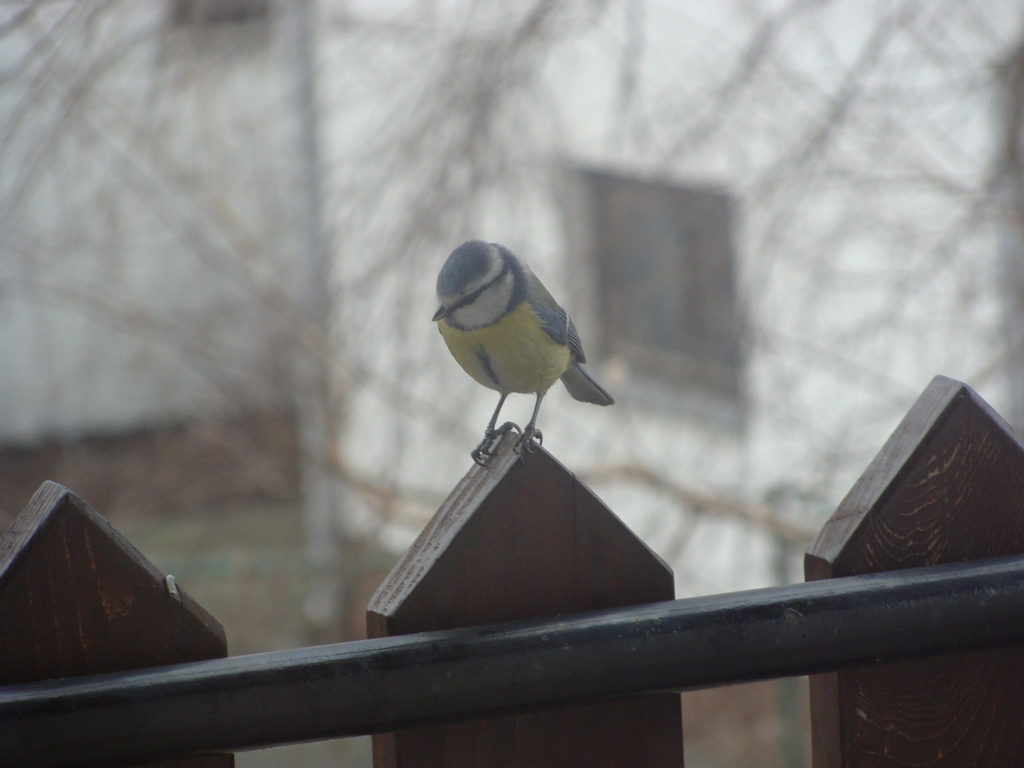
(531, 436)
(482, 452)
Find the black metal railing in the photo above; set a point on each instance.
(378, 685)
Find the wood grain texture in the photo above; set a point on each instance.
(948, 486)
(76, 598)
(517, 540)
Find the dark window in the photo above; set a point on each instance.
(666, 282)
(217, 11)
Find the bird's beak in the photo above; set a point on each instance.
(441, 312)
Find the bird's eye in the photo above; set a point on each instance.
(468, 298)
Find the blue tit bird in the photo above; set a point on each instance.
(507, 332)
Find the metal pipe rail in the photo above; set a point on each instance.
(363, 687)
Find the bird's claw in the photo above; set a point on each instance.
(527, 439)
(482, 452)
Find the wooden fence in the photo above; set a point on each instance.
(528, 627)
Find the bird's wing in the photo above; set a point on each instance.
(575, 345)
(555, 320)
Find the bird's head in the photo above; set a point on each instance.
(477, 285)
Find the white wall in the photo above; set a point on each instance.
(149, 222)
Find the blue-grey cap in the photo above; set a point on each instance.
(470, 261)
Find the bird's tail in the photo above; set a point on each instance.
(582, 386)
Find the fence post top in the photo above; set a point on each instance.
(78, 598)
(519, 538)
(947, 486)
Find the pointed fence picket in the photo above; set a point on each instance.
(76, 598)
(947, 487)
(521, 540)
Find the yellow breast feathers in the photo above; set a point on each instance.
(514, 354)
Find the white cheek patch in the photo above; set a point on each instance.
(489, 307)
